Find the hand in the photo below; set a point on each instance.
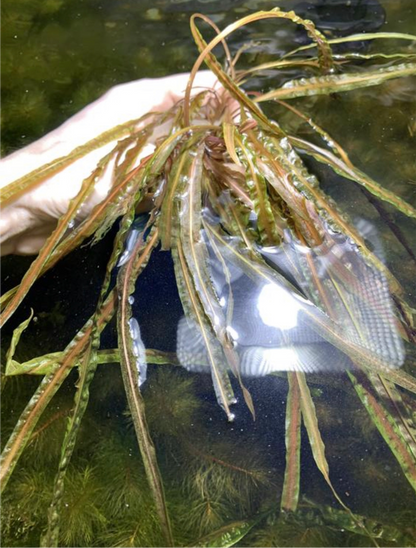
(27, 222)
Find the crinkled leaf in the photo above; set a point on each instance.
(291, 484)
(337, 83)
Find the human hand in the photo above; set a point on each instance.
(27, 222)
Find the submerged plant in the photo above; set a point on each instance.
(250, 229)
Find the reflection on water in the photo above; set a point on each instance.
(275, 329)
(339, 18)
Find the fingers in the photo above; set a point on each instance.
(39, 209)
(28, 242)
(119, 105)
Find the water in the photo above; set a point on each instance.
(58, 57)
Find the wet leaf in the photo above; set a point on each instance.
(45, 392)
(354, 174)
(226, 536)
(359, 37)
(291, 485)
(126, 284)
(17, 333)
(386, 425)
(337, 83)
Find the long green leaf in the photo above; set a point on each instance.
(257, 188)
(354, 174)
(337, 83)
(228, 535)
(341, 521)
(397, 408)
(205, 307)
(358, 37)
(17, 333)
(45, 392)
(36, 267)
(233, 359)
(308, 186)
(86, 371)
(48, 363)
(194, 311)
(386, 425)
(317, 445)
(291, 484)
(125, 283)
(311, 423)
(12, 191)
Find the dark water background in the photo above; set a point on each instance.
(58, 56)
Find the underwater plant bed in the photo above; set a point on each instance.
(275, 278)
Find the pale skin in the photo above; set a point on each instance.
(26, 223)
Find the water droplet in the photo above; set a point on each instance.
(134, 329)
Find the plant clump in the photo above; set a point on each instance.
(235, 204)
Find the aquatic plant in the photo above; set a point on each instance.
(325, 526)
(108, 478)
(232, 199)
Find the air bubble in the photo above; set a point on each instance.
(134, 329)
(135, 349)
(124, 257)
